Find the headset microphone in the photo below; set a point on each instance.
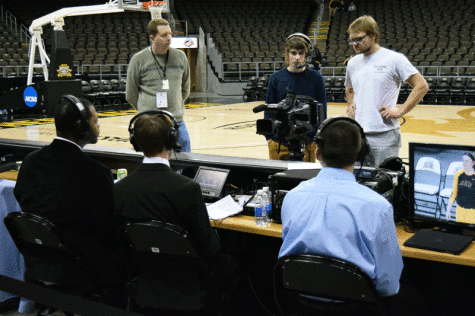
(309, 57)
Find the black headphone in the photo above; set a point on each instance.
(309, 57)
(364, 142)
(81, 128)
(392, 163)
(172, 139)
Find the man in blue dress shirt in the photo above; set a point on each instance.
(333, 215)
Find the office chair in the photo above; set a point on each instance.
(46, 252)
(343, 288)
(167, 274)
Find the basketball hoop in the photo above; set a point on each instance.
(155, 8)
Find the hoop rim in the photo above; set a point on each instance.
(146, 5)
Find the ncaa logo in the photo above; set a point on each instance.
(30, 96)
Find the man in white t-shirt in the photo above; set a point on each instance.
(373, 80)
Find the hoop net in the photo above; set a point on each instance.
(155, 8)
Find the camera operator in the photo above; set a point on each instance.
(300, 79)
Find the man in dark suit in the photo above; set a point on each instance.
(72, 190)
(153, 191)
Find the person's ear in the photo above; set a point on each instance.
(318, 154)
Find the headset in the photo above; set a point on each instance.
(393, 164)
(309, 57)
(172, 139)
(364, 151)
(81, 128)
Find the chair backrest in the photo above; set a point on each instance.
(449, 175)
(29, 230)
(159, 238)
(453, 168)
(35, 236)
(96, 85)
(106, 84)
(428, 164)
(427, 172)
(342, 285)
(86, 88)
(117, 85)
(161, 256)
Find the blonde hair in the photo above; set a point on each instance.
(365, 24)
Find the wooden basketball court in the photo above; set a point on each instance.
(230, 130)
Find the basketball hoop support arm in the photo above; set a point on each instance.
(57, 20)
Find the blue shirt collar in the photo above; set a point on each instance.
(336, 173)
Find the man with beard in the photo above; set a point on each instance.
(373, 80)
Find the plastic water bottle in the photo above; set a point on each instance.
(259, 209)
(268, 202)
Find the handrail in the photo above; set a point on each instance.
(319, 20)
(224, 74)
(11, 21)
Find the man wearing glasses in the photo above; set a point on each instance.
(373, 80)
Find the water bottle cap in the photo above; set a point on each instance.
(265, 188)
(260, 191)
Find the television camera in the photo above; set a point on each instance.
(294, 121)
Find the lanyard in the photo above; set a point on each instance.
(159, 67)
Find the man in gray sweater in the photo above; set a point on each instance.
(158, 77)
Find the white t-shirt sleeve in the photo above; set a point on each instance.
(348, 79)
(404, 69)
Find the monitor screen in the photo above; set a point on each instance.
(442, 184)
(211, 180)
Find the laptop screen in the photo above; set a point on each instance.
(211, 180)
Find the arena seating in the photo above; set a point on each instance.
(250, 36)
(436, 36)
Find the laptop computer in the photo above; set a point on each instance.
(211, 181)
(439, 241)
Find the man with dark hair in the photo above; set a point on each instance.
(373, 80)
(158, 77)
(299, 78)
(153, 191)
(72, 190)
(333, 215)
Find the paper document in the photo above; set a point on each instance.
(223, 208)
(303, 165)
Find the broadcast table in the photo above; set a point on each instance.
(246, 224)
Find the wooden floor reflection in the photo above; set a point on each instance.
(230, 130)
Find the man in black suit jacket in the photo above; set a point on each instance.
(75, 192)
(153, 191)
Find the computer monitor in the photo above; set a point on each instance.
(211, 180)
(442, 185)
